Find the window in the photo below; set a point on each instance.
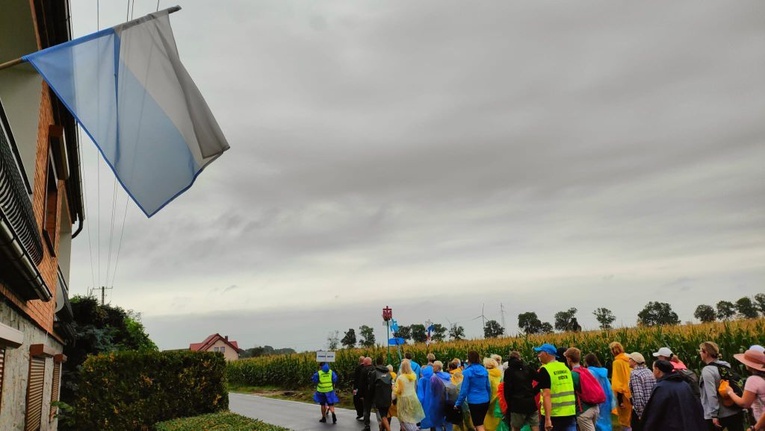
(56, 388)
(9, 337)
(36, 385)
(35, 393)
(50, 222)
(219, 349)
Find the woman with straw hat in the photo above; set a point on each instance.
(754, 389)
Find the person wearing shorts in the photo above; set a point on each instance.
(475, 390)
(325, 396)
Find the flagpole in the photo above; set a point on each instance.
(11, 63)
(19, 60)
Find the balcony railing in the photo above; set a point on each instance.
(20, 242)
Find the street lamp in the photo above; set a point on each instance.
(387, 315)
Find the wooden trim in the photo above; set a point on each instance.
(41, 350)
(59, 358)
(10, 337)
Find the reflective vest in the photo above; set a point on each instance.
(325, 382)
(562, 397)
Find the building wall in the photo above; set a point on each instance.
(229, 353)
(14, 395)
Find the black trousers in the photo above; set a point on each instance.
(367, 410)
(358, 404)
(731, 423)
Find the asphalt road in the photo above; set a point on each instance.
(294, 415)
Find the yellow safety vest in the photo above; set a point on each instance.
(325, 382)
(562, 397)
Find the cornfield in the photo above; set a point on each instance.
(295, 371)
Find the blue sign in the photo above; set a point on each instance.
(396, 341)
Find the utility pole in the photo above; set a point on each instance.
(502, 311)
(103, 290)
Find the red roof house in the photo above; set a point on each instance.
(218, 343)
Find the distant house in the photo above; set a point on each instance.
(218, 343)
(41, 210)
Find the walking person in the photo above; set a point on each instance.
(604, 409)
(586, 414)
(519, 394)
(409, 408)
(476, 390)
(642, 382)
(717, 414)
(672, 406)
(358, 403)
(367, 373)
(620, 383)
(325, 380)
(557, 387)
(754, 388)
(381, 390)
(491, 422)
(439, 385)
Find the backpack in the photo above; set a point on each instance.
(382, 386)
(692, 379)
(728, 379)
(451, 393)
(590, 391)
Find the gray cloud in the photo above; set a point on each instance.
(396, 152)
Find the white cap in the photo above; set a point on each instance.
(758, 348)
(664, 351)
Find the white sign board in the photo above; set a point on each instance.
(324, 356)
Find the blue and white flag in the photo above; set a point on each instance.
(127, 88)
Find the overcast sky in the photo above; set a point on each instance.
(438, 156)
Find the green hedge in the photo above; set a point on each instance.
(225, 421)
(134, 390)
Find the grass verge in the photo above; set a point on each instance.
(224, 421)
(301, 395)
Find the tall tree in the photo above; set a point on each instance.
(404, 332)
(604, 317)
(657, 313)
(439, 332)
(349, 339)
(546, 328)
(705, 313)
(529, 322)
(419, 333)
(746, 308)
(563, 319)
(367, 336)
(456, 332)
(759, 300)
(492, 329)
(725, 310)
(333, 340)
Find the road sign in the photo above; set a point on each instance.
(325, 356)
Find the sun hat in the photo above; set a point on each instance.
(664, 351)
(637, 357)
(752, 358)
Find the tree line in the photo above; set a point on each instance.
(654, 313)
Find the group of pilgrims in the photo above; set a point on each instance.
(565, 391)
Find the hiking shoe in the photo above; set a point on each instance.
(334, 418)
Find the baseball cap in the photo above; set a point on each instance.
(547, 348)
(637, 357)
(664, 351)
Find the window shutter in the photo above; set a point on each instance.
(2, 372)
(35, 393)
(56, 388)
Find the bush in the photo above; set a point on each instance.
(134, 390)
(218, 421)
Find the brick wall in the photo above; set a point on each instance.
(38, 311)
